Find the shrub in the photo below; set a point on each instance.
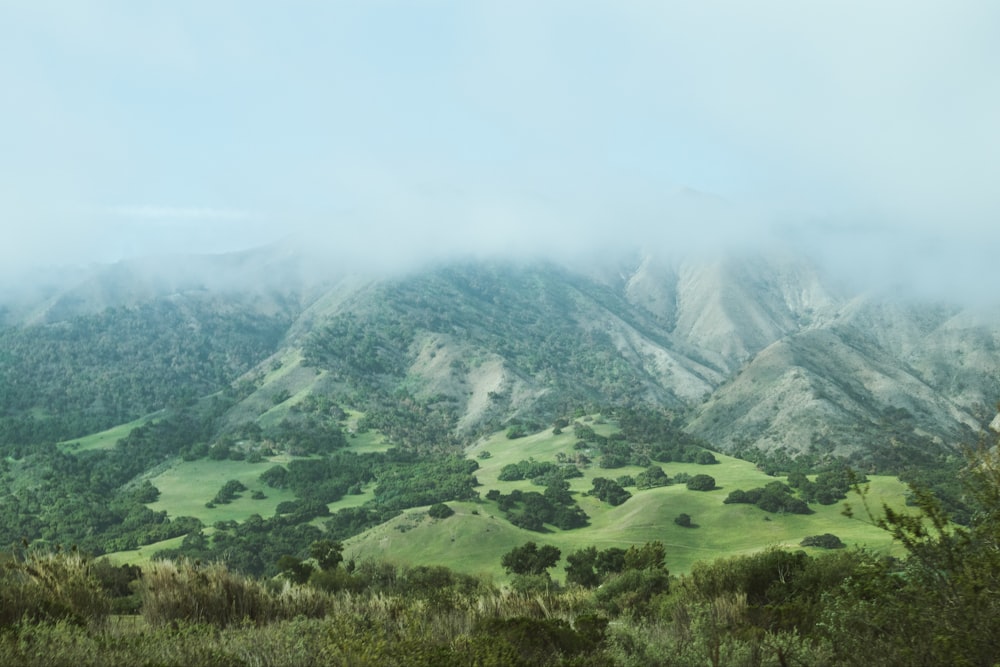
(651, 477)
(609, 491)
(510, 473)
(531, 641)
(705, 458)
(440, 511)
(632, 591)
(824, 541)
(229, 492)
(701, 483)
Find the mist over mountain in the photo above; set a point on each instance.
(757, 351)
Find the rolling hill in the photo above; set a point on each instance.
(141, 368)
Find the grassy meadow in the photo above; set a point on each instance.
(188, 485)
(473, 540)
(106, 439)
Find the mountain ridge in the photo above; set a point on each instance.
(757, 351)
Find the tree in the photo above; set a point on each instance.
(701, 483)
(650, 556)
(295, 569)
(440, 511)
(609, 491)
(683, 520)
(705, 458)
(651, 477)
(589, 567)
(580, 568)
(530, 559)
(327, 553)
(610, 561)
(824, 541)
(941, 605)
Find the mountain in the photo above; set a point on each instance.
(755, 352)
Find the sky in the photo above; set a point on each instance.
(396, 130)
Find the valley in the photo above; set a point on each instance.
(622, 460)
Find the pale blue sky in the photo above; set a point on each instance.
(431, 126)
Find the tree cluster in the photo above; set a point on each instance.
(774, 497)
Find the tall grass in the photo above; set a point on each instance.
(45, 586)
(186, 591)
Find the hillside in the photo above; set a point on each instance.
(264, 358)
(760, 353)
(470, 540)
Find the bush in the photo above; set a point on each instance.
(632, 591)
(440, 511)
(516, 431)
(683, 520)
(705, 458)
(824, 541)
(651, 477)
(609, 491)
(701, 483)
(531, 641)
(230, 491)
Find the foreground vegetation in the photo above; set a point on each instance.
(938, 605)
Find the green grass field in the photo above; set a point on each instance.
(144, 554)
(188, 485)
(106, 439)
(366, 442)
(477, 535)
(474, 539)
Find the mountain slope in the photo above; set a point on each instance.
(757, 352)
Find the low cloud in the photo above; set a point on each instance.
(391, 133)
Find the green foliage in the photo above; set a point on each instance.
(64, 380)
(774, 497)
(350, 521)
(294, 569)
(663, 436)
(632, 592)
(530, 559)
(41, 586)
(651, 477)
(403, 484)
(532, 510)
(609, 491)
(529, 641)
(589, 567)
(186, 592)
(516, 431)
(528, 469)
(683, 520)
(580, 568)
(328, 554)
(252, 547)
(229, 492)
(87, 498)
(824, 541)
(701, 482)
(940, 604)
(440, 511)
(649, 556)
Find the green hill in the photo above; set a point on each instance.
(474, 538)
